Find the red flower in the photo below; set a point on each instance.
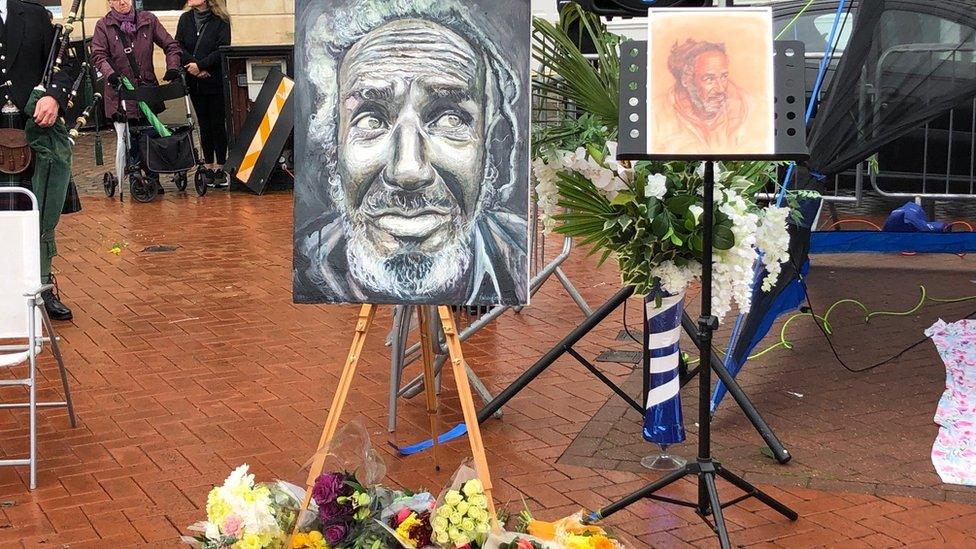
(524, 544)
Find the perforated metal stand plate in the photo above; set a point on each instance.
(790, 90)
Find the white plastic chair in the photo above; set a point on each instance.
(23, 318)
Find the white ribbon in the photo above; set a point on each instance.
(663, 364)
(663, 339)
(664, 392)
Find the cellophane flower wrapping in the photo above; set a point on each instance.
(347, 494)
(461, 515)
(571, 533)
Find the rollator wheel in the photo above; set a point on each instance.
(109, 183)
(200, 182)
(142, 189)
(180, 180)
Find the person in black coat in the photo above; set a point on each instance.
(202, 29)
(26, 40)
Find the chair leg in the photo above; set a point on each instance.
(33, 420)
(56, 350)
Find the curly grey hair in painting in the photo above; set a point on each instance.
(331, 35)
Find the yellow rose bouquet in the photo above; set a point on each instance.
(461, 517)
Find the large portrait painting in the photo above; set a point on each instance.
(411, 129)
(711, 84)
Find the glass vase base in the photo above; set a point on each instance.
(663, 462)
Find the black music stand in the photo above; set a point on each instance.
(790, 145)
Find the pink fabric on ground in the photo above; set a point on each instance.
(954, 451)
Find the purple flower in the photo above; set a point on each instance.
(336, 533)
(332, 511)
(328, 487)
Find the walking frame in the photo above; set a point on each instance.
(453, 341)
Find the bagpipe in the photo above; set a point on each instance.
(57, 62)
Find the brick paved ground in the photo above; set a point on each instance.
(187, 363)
(868, 432)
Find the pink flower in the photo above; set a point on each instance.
(403, 515)
(232, 526)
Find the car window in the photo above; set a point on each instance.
(814, 28)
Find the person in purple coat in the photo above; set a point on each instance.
(125, 28)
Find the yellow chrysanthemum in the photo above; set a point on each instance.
(251, 541)
(217, 508)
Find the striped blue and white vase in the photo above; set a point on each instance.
(663, 423)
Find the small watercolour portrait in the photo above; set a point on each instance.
(710, 85)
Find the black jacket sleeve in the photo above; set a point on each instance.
(211, 61)
(184, 35)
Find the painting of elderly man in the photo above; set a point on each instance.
(412, 124)
(710, 89)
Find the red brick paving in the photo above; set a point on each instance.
(866, 432)
(186, 364)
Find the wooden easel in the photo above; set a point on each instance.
(366, 315)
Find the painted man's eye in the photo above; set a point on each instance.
(449, 121)
(369, 122)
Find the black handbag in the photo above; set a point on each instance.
(173, 154)
(72, 202)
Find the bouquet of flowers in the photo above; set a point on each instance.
(245, 515)
(344, 506)
(570, 532)
(409, 519)
(461, 518)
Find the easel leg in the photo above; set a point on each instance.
(467, 406)
(430, 391)
(366, 315)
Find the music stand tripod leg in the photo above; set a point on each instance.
(467, 407)
(366, 315)
(780, 452)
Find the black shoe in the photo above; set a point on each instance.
(55, 309)
(210, 176)
(220, 179)
(159, 186)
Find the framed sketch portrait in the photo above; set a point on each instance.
(412, 151)
(710, 89)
